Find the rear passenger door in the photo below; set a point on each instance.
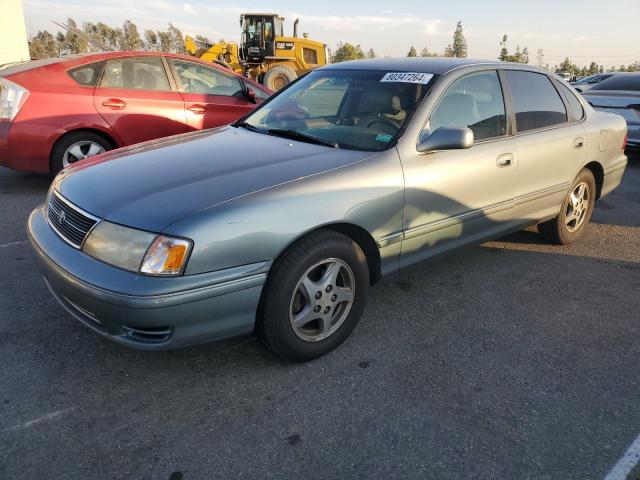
(550, 141)
(135, 98)
(212, 97)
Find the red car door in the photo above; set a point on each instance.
(212, 97)
(135, 98)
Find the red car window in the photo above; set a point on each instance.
(197, 78)
(145, 73)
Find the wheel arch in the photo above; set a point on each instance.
(598, 173)
(356, 233)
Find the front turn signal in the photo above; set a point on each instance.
(166, 256)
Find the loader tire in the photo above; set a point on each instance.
(279, 76)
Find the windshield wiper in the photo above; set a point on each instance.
(248, 126)
(303, 137)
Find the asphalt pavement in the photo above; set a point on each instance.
(510, 360)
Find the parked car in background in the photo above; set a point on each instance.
(586, 83)
(55, 112)
(280, 222)
(620, 94)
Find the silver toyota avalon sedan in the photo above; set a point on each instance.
(280, 222)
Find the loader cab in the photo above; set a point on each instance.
(259, 32)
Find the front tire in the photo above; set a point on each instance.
(314, 297)
(279, 76)
(576, 211)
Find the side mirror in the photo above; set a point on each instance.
(445, 138)
(251, 95)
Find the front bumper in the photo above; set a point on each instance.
(147, 313)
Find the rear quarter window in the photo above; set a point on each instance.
(574, 103)
(87, 75)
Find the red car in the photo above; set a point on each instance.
(57, 111)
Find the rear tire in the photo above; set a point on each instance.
(314, 297)
(76, 146)
(575, 213)
(279, 76)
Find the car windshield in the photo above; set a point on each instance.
(353, 109)
(588, 79)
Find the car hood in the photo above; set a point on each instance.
(154, 184)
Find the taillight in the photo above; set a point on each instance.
(12, 98)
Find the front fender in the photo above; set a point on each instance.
(259, 226)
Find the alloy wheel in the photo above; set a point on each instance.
(322, 300)
(577, 207)
(81, 150)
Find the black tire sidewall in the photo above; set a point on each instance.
(275, 320)
(57, 153)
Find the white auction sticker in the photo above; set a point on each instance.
(407, 77)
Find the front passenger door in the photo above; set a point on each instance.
(454, 197)
(212, 97)
(135, 98)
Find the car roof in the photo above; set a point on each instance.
(70, 61)
(435, 65)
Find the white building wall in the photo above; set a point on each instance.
(13, 35)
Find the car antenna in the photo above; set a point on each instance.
(84, 35)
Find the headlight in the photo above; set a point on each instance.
(137, 250)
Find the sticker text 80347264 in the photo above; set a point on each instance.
(407, 77)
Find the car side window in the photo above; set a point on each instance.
(145, 73)
(260, 94)
(197, 78)
(574, 103)
(473, 101)
(87, 75)
(536, 102)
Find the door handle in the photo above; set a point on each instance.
(505, 160)
(197, 109)
(578, 142)
(114, 103)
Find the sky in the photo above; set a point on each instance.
(585, 30)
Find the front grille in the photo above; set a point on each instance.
(70, 222)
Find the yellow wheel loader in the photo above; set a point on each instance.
(264, 53)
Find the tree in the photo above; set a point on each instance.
(504, 53)
(371, 53)
(459, 47)
(164, 41)
(43, 45)
(347, 51)
(151, 40)
(130, 37)
(71, 42)
(448, 52)
(426, 53)
(520, 56)
(177, 40)
(412, 52)
(568, 66)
